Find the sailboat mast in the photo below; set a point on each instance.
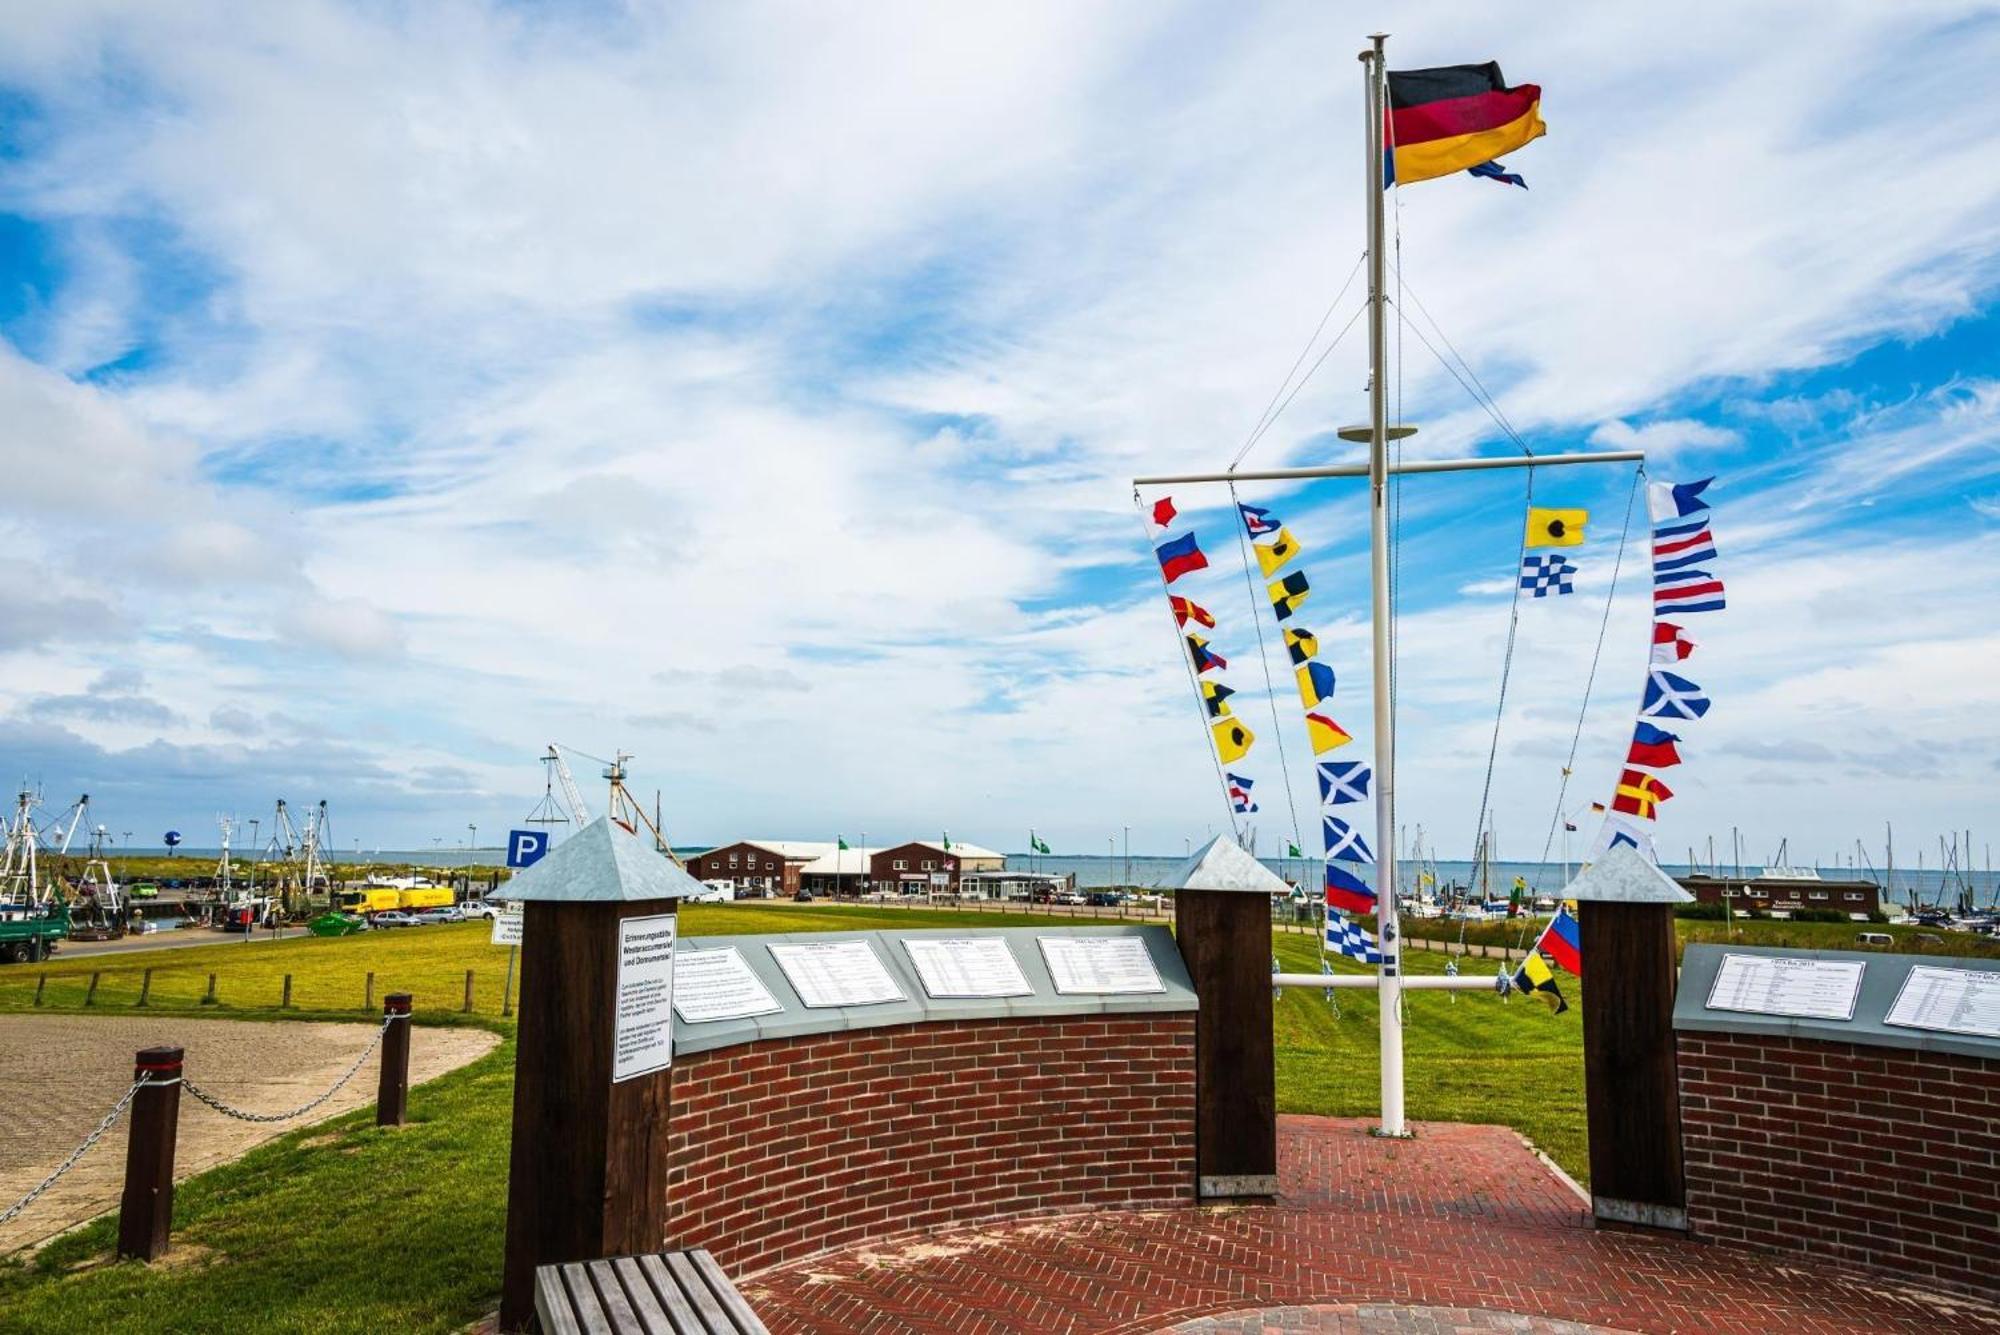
(1391, 982)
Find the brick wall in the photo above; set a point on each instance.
(786, 1147)
(1870, 1156)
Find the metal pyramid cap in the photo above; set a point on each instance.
(1625, 876)
(1223, 864)
(603, 863)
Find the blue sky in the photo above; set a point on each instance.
(391, 391)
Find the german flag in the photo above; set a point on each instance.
(1455, 118)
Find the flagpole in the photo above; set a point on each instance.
(1390, 987)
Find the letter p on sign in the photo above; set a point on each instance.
(526, 847)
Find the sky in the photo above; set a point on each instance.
(388, 391)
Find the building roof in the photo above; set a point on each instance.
(1625, 876)
(841, 862)
(1223, 864)
(801, 850)
(957, 849)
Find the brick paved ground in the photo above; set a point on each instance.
(1464, 1218)
(1377, 1319)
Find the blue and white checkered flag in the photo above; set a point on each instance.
(1344, 938)
(1542, 575)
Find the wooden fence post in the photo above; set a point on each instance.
(209, 1000)
(285, 1003)
(40, 983)
(392, 1095)
(145, 987)
(368, 994)
(90, 994)
(146, 1211)
(468, 991)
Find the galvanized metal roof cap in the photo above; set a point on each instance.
(1224, 864)
(603, 863)
(1625, 876)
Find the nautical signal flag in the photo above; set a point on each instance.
(1624, 830)
(1163, 511)
(1670, 696)
(1180, 555)
(1455, 118)
(1343, 781)
(1288, 593)
(1688, 591)
(1536, 977)
(1686, 545)
(1315, 683)
(1239, 795)
(1670, 643)
(1326, 735)
(1671, 500)
(1204, 657)
(1301, 645)
(1640, 794)
(1562, 942)
(1257, 520)
(1543, 575)
(1343, 841)
(1556, 528)
(1186, 610)
(1344, 938)
(1213, 695)
(1346, 891)
(1272, 555)
(1653, 747)
(1495, 171)
(1232, 739)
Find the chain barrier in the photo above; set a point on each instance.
(82, 1149)
(240, 1115)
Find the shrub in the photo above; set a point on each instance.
(1700, 912)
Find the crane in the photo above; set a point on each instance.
(625, 812)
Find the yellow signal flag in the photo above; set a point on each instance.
(1232, 739)
(1288, 593)
(1326, 734)
(1301, 645)
(1556, 528)
(1272, 555)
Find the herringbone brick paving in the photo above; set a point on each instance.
(1465, 1217)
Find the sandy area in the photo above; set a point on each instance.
(63, 1073)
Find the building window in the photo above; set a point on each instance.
(1819, 894)
(928, 864)
(770, 866)
(1853, 894)
(732, 859)
(901, 865)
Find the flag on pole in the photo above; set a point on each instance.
(1292, 850)
(1180, 555)
(1702, 595)
(1536, 977)
(1204, 657)
(1163, 511)
(1562, 942)
(1325, 734)
(1037, 844)
(1239, 795)
(1215, 695)
(1454, 118)
(1232, 739)
(1670, 643)
(1286, 594)
(1342, 781)
(1257, 520)
(1671, 696)
(1653, 747)
(1344, 938)
(1556, 528)
(1315, 683)
(1671, 500)
(1343, 841)
(1623, 831)
(1543, 575)
(1187, 609)
(840, 842)
(1678, 553)
(1640, 794)
(1301, 645)
(1345, 890)
(1272, 555)
(1495, 171)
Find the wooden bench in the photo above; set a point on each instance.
(673, 1293)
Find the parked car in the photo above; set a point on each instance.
(479, 908)
(443, 913)
(396, 918)
(1070, 897)
(803, 897)
(1106, 899)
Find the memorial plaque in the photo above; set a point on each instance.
(969, 966)
(836, 973)
(1952, 1001)
(507, 927)
(1086, 964)
(712, 985)
(1784, 985)
(643, 1040)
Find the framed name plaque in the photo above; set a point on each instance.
(1100, 964)
(836, 973)
(713, 985)
(970, 966)
(1783, 985)
(1952, 1001)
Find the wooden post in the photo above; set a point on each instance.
(1225, 940)
(90, 993)
(1630, 1077)
(368, 993)
(392, 1095)
(145, 987)
(285, 1002)
(40, 983)
(507, 988)
(468, 991)
(146, 1211)
(209, 1000)
(588, 1178)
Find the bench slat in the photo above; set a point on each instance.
(611, 1292)
(652, 1317)
(686, 1320)
(692, 1284)
(726, 1294)
(552, 1303)
(583, 1299)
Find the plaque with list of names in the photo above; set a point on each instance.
(1086, 964)
(712, 985)
(836, 973)
(643, 1034)
(1782, 985)
(1954, 1001)
(970, 966)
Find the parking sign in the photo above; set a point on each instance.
(526, 847)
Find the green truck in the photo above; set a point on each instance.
(31, 934)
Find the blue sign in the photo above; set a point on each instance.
(526, 847)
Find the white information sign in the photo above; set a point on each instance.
(836, 973)
(1083, 964)
(967, 966)
(1781, 985)
(643, 1039)
(1955, 1001)
(507, 927)
(712, 985)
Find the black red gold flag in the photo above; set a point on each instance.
(1454, 118)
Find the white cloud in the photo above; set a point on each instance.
(1661, 440)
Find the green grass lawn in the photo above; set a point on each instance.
(343, 1227)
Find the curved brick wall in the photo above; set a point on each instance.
(1850, 1153)
(786, 1147)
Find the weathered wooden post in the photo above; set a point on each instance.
(368, 992)
(146, 1210)
(588, 1176)
(392, 1094)
(1223, 902)
(1625, 917)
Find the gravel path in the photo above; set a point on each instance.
(63, 1073)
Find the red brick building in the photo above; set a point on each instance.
(910, 866)
(768, 866)
(1786, 894)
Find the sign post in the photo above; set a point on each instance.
(524, 849)
(588, 1176)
